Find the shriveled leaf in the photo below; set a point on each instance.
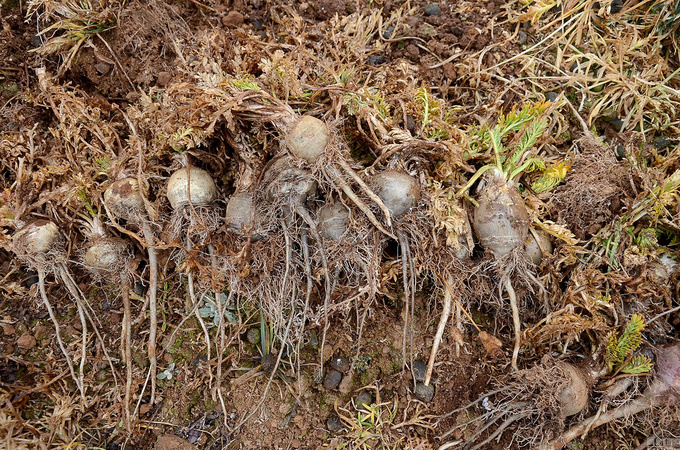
(491, 344)
(553, 176)
(457, 336)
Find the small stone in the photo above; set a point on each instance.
(432, 9)
(363, 399)
(551, 96)
(387, 34)
(268, 362)
(253, 336)
(8, 329)
(617, 124)
(620, 152)
(35, 40)
(334, 424)
(139, 288)
(340, 363)
(332, 380)
(522, 37)
(102, 68)
(424, 393)
(410, 123)
(233, 19)
(376, 59)
(26, 341)
(172, 442)
(163, 78)
(419, 370)
(661, 142)
(31, 279)
(616, 6)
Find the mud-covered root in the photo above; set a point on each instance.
(123, 200)
(537, 401)
(39, 243)
(663, 389)
(501, 220)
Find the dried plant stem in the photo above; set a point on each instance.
(650, 398)
(333, 173)
(446, 312)
(194, 302)
(53, 317)
(153, 312)
(515, 319)
(86, 309)
(127, 351)
(348, 170)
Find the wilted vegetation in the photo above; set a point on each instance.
(218, 219)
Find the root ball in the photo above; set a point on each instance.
(106, 256)
(501, 220)
(333, 220)
(574, 397)
(533, 249)
(124, 199)
(308, 138)
(399, 191)
(194, 186)
(36, 240)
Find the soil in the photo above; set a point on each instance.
(134, 73)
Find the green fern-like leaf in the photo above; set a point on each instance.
(638, 364)
(619, 349)
(551, 177)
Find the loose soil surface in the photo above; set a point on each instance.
(137, 89)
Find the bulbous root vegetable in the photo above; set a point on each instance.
(501, 223)
(536, 246)
(333, 220)
(572, 397)
(123, 199)
(107, 256)
(40, 244)
(400, 192)
(291, 186)
(33, 242)
(192, 190)
(665, 387)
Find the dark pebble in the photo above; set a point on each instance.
(617, 124)
(410, 123)
(332, 379)
(387, 34)
(31, 279)
(419, 370)
(334, 423)
(522, 37)
(376, 59)
(340, 363)
(661, 142)
(578, 68)
(258, 25)
(139, 288)
(253, 336)
(268, 362)
(102, 68)
(35, 40)
(363, 399)
(424, 393)
(620, 152)
(551, 96)
(616, 6)
(432, 9)
(262, 34)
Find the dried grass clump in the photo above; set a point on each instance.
(596, 191)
